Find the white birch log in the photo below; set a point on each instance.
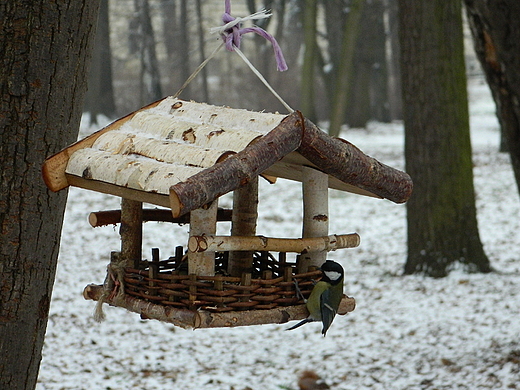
(131, 171)
(203, 221)
(163, 127)
(220, 116)
(162, 150)
(207, 243)
(315, 188)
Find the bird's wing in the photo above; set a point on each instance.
(327, 311)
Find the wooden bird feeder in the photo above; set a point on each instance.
(182, 156)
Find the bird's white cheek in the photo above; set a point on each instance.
(332, 275)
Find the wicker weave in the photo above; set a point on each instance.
(270, 285)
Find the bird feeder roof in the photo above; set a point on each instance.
(182, 154)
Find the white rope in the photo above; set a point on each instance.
(256, 16)
(222, 30)
(262, 79)
(197, 71)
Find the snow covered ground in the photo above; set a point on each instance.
(460, 332)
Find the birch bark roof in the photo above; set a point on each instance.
(172, 148)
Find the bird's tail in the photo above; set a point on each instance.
(302, 322)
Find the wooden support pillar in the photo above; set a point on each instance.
(203, 221)
(315, 186)
(245, 215)
(131, 231)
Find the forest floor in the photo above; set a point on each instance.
(407, 332)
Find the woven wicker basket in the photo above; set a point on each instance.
(271, 284)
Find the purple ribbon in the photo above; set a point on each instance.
(233, 36)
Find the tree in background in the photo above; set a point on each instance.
(45, 50)
(99, 99)
(344, 73)
(307, 84)
(441, 214)
(142, 42)
(495, 27)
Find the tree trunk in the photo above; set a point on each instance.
(496, 34)
(344, 73)
(369, 94)
(442, 224)
(100, 95)
(149, 78)
(309, 15)
(395, 101)
(184, 47)
(201, 31)
(45, 49)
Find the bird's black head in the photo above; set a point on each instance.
(332, 272)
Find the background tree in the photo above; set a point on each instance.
(309, 14)
(495, 27)
(142, 42)
(344, 73)
(100, 94)
(44, 52)
(441, 214)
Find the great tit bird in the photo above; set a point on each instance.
(323, 303)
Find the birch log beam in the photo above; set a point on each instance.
(203, 221)
(315, 187)
(261, 243)
(356, 168)
(239, 169)
(205, 319)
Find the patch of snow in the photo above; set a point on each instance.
(459, 332)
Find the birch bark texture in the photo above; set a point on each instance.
(315, 187)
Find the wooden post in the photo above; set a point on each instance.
(203, 221)
(131, 231)
(153, 271)
(315, 186)
(245, 214)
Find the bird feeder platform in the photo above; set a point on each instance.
(183, 156)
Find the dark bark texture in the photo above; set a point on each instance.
(442, 224)
(44, 50)
(495, 27)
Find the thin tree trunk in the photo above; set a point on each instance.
(395, 101)
(442, 223)
(149, 78)
(99, 99)
(310, 10)
(45, 50)
(201, 33)
(344, 74)
(184, 47)
(495, 27)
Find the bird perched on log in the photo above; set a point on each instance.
(323, 303)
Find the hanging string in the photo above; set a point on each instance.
(231, 33)
(263, 80)
(197, 71)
